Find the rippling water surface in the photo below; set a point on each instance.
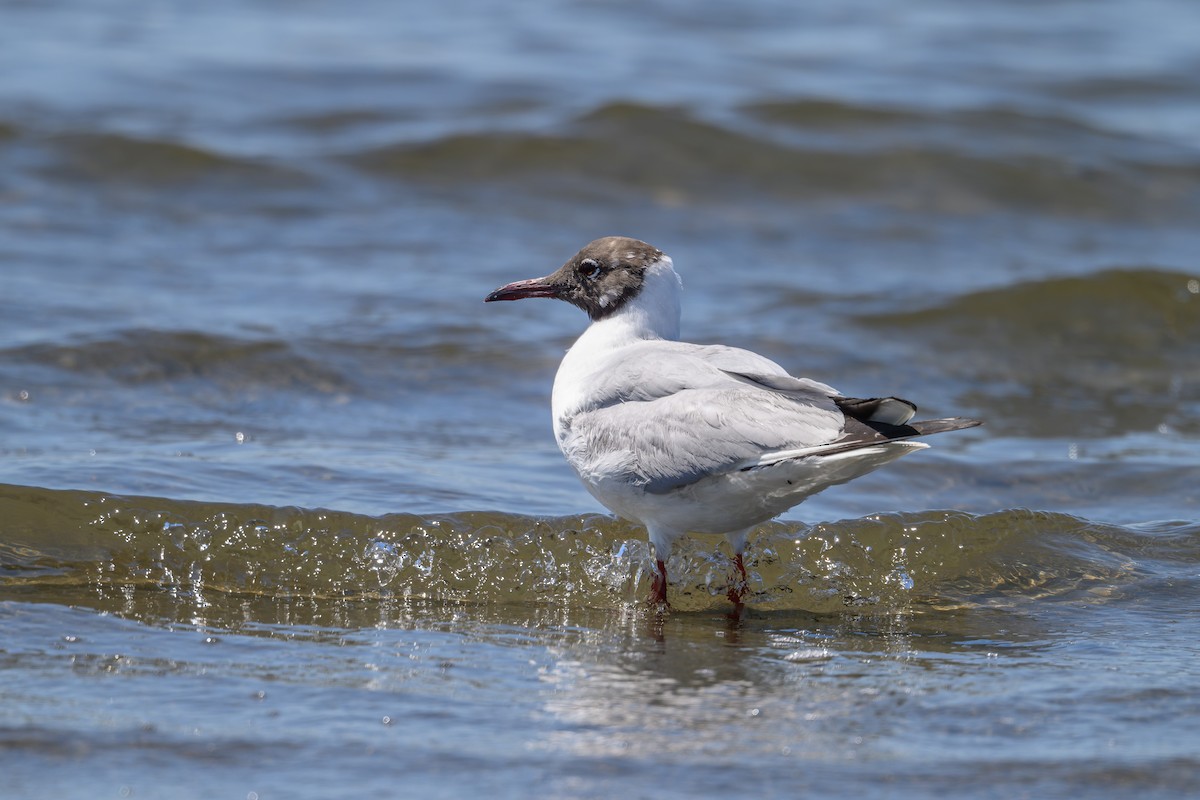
(280, 511)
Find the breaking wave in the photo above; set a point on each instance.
(99, 548)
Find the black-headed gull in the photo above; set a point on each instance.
(688, 438)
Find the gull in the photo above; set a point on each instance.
(689, 438)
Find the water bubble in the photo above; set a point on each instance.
(385, 559)
(424, 563)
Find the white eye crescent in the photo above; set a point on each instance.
(589, 268)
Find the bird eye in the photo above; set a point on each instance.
(589, 268)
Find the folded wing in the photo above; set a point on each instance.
(668, 414)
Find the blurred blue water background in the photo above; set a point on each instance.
(243, 249)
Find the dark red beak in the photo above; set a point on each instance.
(534, 287)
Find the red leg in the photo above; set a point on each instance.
(740, 586)
(658, 586)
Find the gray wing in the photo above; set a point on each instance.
(667, 414)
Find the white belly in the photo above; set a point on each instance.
(738, 500)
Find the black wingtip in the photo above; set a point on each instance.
(886, 410)
(860, 433)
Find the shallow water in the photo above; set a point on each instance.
(329, 653)
(280, 511)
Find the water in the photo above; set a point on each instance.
(280, 512)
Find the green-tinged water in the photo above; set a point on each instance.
(108, 546)
(281, 515)
(401, 655)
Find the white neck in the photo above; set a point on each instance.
(652, 314)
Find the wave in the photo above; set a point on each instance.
(353, 363)
(949, 167)
(145, 356)
(1149, 308)
(994, 131)
(954, 162)
(79, 544)
(1109, 352)
(97, 157)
